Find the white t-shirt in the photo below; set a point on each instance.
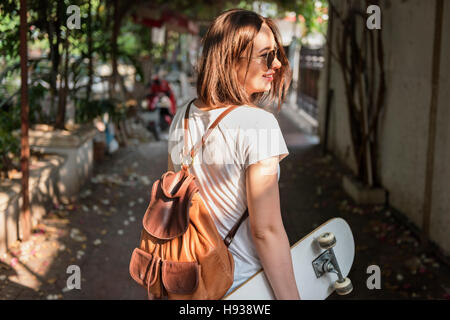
(244, 136)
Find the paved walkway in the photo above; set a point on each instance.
(99, 232)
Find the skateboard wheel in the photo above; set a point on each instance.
(344, 287)
(327, 240)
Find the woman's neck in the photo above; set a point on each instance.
(200, 105)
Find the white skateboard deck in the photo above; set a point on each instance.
(304, 252)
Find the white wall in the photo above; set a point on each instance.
(404, 127)
(440, 211)
(408, 34)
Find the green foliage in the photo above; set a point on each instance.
(88, 110)
(312, 11)
(35, 95)
(10, 121)
(48, 32)
(9, 145)
(9, 148)
(9, 30)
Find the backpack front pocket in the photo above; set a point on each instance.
(180, 277)
(144, 268)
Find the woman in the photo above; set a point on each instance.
(242, 63)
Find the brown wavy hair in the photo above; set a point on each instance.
(230, 34)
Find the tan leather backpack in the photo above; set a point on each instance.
(181, 254)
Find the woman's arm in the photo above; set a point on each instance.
(266, 224)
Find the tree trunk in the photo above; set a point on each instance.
(54, 58)
(115, 35)
(25, 215)
(165, 47)
(89, 40)
(63, 88)
(150, 46)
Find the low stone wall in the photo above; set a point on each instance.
(65, 164)
(77, 147)
(44, 174)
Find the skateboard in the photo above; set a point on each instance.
(321, 260)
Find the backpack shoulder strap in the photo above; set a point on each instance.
(229, 238)
(200, 143)
(233, 230)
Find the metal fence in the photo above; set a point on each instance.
(311, 64)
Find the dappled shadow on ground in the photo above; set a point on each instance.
(98, 233)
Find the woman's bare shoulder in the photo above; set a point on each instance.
(253, 116)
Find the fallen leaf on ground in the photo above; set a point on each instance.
(76, 235)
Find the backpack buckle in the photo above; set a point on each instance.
(228, 240)
(186, 160)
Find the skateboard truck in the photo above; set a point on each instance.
(327, 263)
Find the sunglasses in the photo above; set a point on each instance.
(269, 57)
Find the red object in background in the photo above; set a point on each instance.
(159, 88)
(172, 20)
